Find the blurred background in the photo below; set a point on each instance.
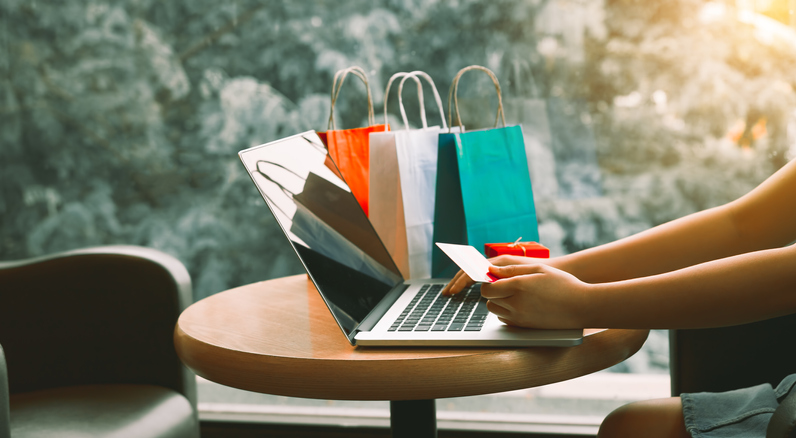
(120, 120)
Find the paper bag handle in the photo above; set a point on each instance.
(452, 94)
(341, 75)
(424, 75)
(518, 66)
(400, 102)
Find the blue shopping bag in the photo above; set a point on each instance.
(483, 192)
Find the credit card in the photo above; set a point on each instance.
(472, 262)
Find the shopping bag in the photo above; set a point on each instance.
(386, 211)
(559, 139)
(575, 150)
(407, 159)
(484, 192)
(526, 108)
(349, 148)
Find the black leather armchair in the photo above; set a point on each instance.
(5, 421)
(88, 340)
(726, 358)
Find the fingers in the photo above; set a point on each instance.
(497, 308)
(505, 321)
(515, 270)
(495, 291)
(503, 288)
(505, 260)
(505, 267)
(459, 282)
(503, 314)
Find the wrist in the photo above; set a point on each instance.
(562, 263)
(591, 304)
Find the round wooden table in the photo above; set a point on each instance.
(278, 337)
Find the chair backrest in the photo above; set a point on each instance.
(726, 358)
(5, 407)
(94, 316)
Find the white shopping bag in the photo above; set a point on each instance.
(415, 159)
(386, 206)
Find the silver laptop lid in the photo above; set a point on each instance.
(325, 224)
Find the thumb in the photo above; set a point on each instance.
(515, 270)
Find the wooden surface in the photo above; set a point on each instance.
(277, 337)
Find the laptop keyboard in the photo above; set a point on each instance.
(431, 311)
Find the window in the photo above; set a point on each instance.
(121, 122)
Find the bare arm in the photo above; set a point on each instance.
(687, 241)
(720, 267)
(764, 218)
(734, 290)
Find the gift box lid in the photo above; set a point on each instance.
(527, 249)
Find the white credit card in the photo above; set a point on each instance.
(472, 262)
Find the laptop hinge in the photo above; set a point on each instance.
(375, 315)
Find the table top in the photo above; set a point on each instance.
(278, 337)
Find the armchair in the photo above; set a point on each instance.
(5, 422)
(726, 358)
(88, 341)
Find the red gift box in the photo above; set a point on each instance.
(527, 249)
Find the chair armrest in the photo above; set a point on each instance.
(5, 406)
(699, 357)
(102, 314)
(783, 422)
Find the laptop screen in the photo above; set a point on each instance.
(325, 225)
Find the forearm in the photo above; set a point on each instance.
(763, 218)
(734, 290)
(694, 239)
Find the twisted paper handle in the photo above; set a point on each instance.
(341, 75)
(424, 75)
(452, 94)
(400, 101)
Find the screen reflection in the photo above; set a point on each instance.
(325, 224)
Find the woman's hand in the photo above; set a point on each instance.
(537, 296)
(461, 281)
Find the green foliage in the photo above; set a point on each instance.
(121, 120)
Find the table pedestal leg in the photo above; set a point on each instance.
(413, 418)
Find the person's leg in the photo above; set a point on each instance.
(649, 418)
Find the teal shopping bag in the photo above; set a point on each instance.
(483, 192)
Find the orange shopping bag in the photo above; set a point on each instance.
(349, 148)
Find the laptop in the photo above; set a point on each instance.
(352, 270)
